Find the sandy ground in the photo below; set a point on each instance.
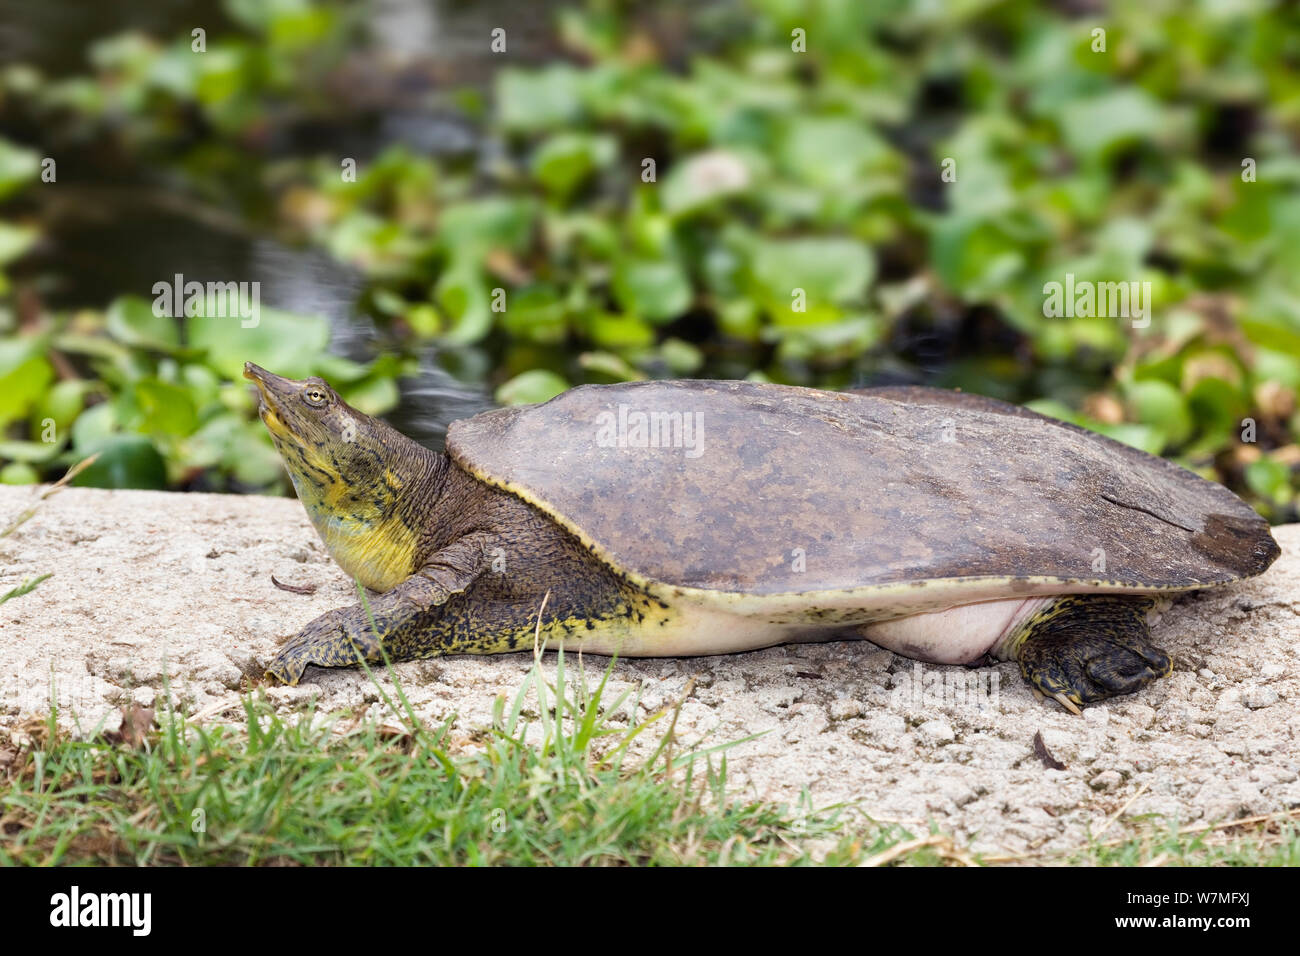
(149, 584)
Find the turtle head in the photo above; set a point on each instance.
(326, 444)
(356, 476)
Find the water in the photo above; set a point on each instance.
(115, 227)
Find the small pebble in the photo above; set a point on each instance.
(846, 709)
(936, 731)
(1257, 697)
(1106, 780)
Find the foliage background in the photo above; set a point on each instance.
(522, 171)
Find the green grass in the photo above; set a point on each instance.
(27, 587)
(556, 780)
(358, 790)
(1269, 840)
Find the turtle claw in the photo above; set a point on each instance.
(289, 664)
(337, 638)
(1068, 704)
(285, 672)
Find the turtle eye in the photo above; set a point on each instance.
(315, 396)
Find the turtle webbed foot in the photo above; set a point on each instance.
(338, 638)
(1090, 649)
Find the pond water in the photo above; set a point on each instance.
(117, 230)
(116, 227)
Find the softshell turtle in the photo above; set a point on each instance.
(705, 517)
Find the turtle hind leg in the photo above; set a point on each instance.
(1085, 648)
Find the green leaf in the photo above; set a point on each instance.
(373, 396)
(259, 15)
(832, 152)
(92, 427)
(566, 160)
(19, 473)
(1094, 125)
(527, 388)
(62, 402)
(1269, 479)
(236, 446)
(15, 240)
(1162, 405)
(619, 331)
(24, 375)
(656, 289)
(1217, 405)
(425, 320)
(221, 75)
(295, 30)
(125, 461)
(830, 271)
(1282, 367)
(1149, 440)
(535, 314)
(463, 294)
(251, 459)
(610, 365)
(32, 452)
(469, 229)
(841, 340)
(681, 356)
(156, 407)
(1053, 408)
(338, 369)
(132, 321)
(283, 342)
(538, 100)
(18, 166)
(700, 180)
(1272, 334)
(973, 256)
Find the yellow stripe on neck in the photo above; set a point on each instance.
(379, 554)
(375, 547)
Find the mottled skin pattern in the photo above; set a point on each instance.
(466, 549)
(472, 581)
(456, 603)
(1085, 648)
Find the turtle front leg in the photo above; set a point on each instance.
(1086, 648)
(338, 638)
(394, 624)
